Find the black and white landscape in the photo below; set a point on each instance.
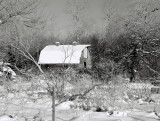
(79, 60)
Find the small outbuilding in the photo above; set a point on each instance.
(68, 55)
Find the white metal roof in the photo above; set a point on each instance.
(62, 54)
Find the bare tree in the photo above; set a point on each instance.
(68, 53)
(76, 9)
(142, 31)
(15, 16)
(27, 55)
(10, 10)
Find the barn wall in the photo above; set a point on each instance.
(55, 66)
(85, 60)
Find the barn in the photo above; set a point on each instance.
(68, 55)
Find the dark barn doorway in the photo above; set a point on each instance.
(85, 64)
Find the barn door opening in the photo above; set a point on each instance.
(85, 64)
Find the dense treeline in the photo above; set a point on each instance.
(124, 37)
(133, 55)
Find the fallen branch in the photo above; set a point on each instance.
(27, 55)
(156, 72)
(74, 97)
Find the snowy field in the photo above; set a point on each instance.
(41, 110)
(22, 104)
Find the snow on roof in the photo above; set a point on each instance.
(62, 54)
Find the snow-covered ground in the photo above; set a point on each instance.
(24, 105)
(64, 112)
(41, 109)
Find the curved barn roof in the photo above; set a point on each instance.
(62, 54)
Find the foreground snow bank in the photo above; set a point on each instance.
(121, 115)
(8, 118)
(140, 86)
(65, 105)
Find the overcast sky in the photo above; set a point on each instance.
(92, 18)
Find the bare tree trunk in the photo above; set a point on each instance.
(53, 104)
(39, 67)
(26, 54)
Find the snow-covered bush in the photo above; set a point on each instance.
(105, 95)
